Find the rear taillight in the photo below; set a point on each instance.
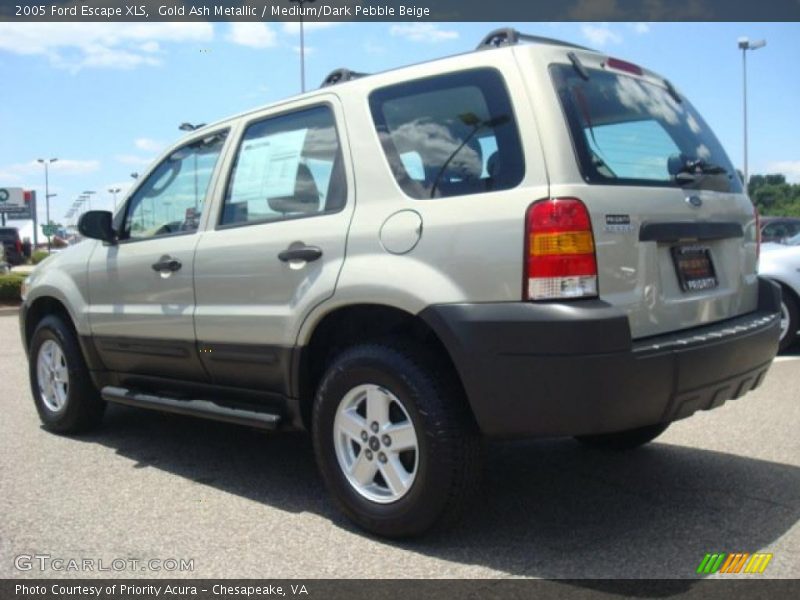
(559, 251)
(19, 246)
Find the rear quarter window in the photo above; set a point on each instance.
(450, 135)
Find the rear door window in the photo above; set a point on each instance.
(450, 135)
(289, 166)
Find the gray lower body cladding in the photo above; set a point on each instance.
(572, 368)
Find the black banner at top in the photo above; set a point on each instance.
(400, 10)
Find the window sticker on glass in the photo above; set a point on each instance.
(267, 167)
(287, 166)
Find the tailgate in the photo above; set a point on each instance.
(675, 235)
(672, 265)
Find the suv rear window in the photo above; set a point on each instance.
(628, 131)
(449, 135)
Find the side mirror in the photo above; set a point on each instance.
(97, 224)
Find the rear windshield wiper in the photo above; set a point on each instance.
(688, 170)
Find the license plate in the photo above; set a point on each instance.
(694, 268)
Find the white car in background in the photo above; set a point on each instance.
(781, 263)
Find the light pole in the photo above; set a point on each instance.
(114, 192)
(302, 46)
(744, 45)
(190, 127)
(46, 164)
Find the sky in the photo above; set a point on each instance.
(107, 98)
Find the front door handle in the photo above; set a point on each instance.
(167, 264)
(298, 251)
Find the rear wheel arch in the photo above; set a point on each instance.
(356, 324)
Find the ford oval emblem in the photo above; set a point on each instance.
(695, 201)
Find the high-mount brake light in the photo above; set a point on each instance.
(621, 65)
(559, 251)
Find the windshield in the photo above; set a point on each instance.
(628, 131)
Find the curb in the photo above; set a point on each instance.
(8, 310)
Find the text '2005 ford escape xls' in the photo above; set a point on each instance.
(527, 240)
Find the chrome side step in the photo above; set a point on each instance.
(194, 408)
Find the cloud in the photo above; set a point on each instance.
(790, 168)
(252, 35)
(77, 46)
(371, 47)
(640, 28)
(261, 92)
(423, 32)
(26, 170)
(309, 50)
(151, 46)
(148, 145)
(600, 35)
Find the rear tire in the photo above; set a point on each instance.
(789, 316)
(624, 440)
(421, 401)
(63, 392)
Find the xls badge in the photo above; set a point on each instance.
(618, 224)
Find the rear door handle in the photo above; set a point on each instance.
(299, 251)
(167, 263)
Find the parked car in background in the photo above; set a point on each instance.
(778, 229)
(12, 245)
(781, 263)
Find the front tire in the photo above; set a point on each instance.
(624, 440)
(65, 398)
(394, 439)
(789, 320)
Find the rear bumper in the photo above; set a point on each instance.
(572, 368)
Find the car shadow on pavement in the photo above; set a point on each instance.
(550, 509)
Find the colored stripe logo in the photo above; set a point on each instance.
(733, 563)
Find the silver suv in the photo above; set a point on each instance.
(532, 239)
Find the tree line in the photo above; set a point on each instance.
(772, 195)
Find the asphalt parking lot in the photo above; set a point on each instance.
(248, 504)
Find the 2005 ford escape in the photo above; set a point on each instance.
(527, 240)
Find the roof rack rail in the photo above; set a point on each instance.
(340, 76)
(510, 37)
